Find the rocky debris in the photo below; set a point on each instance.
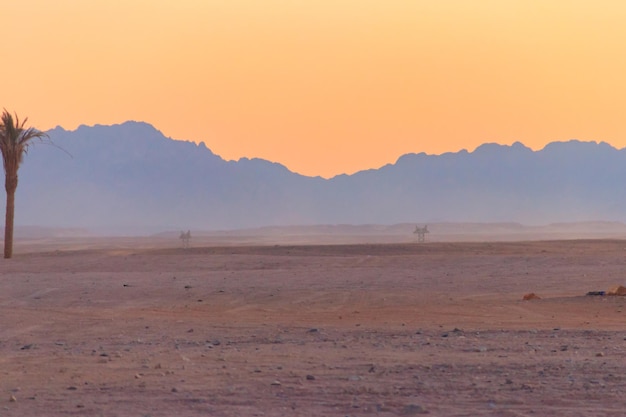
(413, 409)
(617, 290)
(531, 296)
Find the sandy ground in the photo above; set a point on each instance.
(437, 329)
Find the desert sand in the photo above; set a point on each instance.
(141, 327)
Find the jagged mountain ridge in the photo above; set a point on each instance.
(130, 177)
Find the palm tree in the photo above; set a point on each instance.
(15, 139)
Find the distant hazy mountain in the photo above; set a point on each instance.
(131, 178)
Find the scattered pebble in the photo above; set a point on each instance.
(310, 378)
(413, 409)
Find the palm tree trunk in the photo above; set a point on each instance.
(8, 225)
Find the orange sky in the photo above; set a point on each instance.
(323, 86)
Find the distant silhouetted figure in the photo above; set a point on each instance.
(185, 237)
(421, 233)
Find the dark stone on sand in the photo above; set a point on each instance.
(413, 409)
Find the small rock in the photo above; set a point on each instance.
(187, 287)
(276, 383)
(72, 388)
(174, 389)
(26, 347)
(412, 409)
(310, 378)
(313, 330)
(531, 296)
(600, 354)
(13, 399)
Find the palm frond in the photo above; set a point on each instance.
(15, 139)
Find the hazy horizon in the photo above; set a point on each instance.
(131, 176)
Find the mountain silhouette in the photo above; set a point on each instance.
(130, 178)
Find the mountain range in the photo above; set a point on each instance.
(130, 178)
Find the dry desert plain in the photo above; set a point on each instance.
(140, 328)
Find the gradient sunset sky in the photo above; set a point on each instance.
(323, 86)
